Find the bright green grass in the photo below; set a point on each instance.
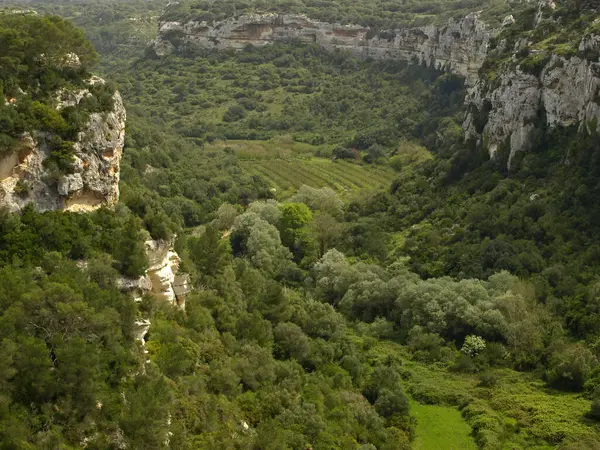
(441, 428)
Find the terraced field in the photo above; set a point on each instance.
(287, 175)
(287, 165)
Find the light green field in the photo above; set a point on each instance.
(441, 428)
(286, 165)
(344, 177)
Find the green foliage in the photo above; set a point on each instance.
(43, 58)
(595, 408)
(533, 64)
(66, 341)
(570, 365)
(276, 349)
(209, 252)
(381, 15)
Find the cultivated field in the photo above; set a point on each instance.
(288, 175)
(287, 165)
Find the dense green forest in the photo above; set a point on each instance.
(379, 14)
(449, 293)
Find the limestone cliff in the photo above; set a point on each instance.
(534, 88)
(459, 46)
(163, 272)
(94, 179)
(162, 279)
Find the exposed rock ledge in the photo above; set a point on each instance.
(460, 46)
(95, 178)
(566, 92)
(162, 278)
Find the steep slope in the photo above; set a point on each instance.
(542, 72)
(93, 178)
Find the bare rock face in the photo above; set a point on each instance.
(162, 269)
(162, 279)
(94, 182)
(565, 93)
(459, 46)
(505, 111)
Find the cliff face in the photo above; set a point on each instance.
(165, 281)
(459, 46)
(94, 180)
(563, 94)
(537, 80)
(162, 279)
(561, 90)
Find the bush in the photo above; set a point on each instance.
(390, 403)
(473, 345)
(396, 163)
(234, 113)
(595, 407)
(534, 64)
(465, 363)
(488, 379)
(425, 346)
(569, 366)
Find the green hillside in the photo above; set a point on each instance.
(361, 277)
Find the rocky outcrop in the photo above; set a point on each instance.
(94, 181)
(140, 330)
(162, 278)
(506, 113)
(163, 273)
(459, 46)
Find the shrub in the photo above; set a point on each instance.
(595, 407)
(425, 346)
(390, 403)
(396, 163)
(488, 379)
(22, 188)
(569, 366)
(234, 113)
(473, 345)
(534, 64)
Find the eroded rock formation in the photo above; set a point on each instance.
(94, 180)
(459, 46)
(163, 273)
(505, 113)
(162, 278)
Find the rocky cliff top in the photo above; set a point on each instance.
(62, 128)
(459, 46)
(91, 179)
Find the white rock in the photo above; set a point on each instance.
(460, 46)
(97, 155)
(565, 91)
(141, 328)
(508, 20)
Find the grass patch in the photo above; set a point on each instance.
(440, 428)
